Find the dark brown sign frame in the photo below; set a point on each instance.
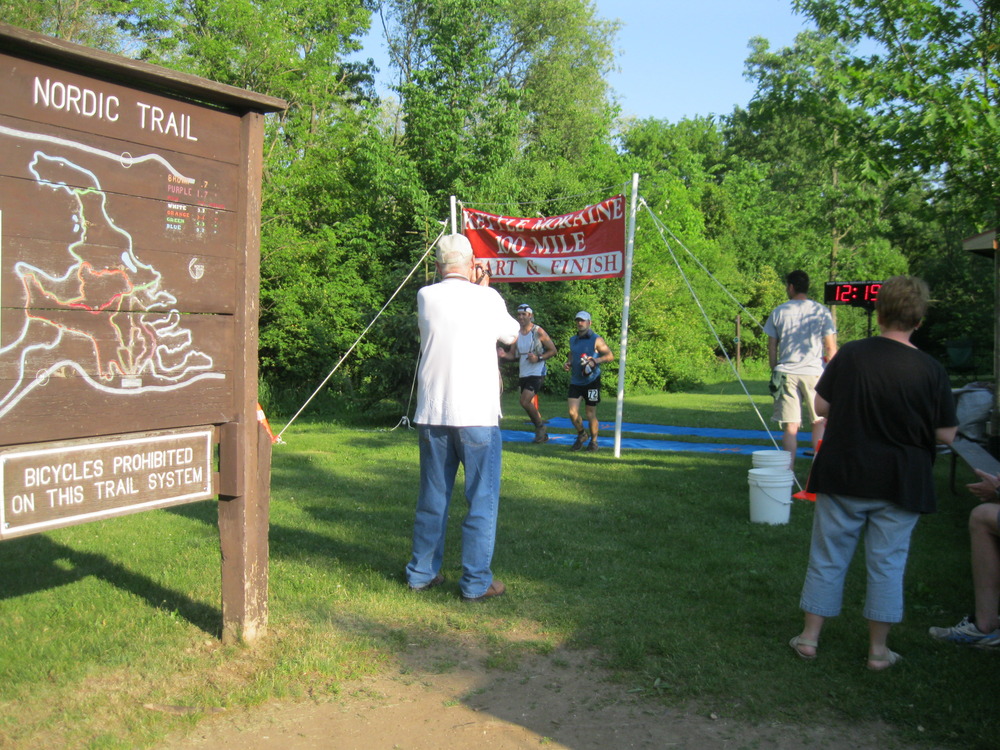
(129, 274)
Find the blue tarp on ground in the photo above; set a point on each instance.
(563, 423)
(705, 446)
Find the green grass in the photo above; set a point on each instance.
(650, 558)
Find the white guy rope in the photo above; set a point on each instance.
(708, 320)
(718, 283)
(358, 340)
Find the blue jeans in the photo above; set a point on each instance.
(838, 522)
(442, 449)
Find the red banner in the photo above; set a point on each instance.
(586, 244)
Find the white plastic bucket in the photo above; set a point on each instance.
(771, 459)
(770, 495)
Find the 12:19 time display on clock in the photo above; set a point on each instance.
(857, 293)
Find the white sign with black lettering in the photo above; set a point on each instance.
(49, 485)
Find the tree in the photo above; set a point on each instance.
(933, 82)
(821, 155)
(94, 23)
(485, 82)
(328, 255)
(682, 166)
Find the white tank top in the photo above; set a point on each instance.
(527, 344)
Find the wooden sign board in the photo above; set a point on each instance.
(129, 274)
(118, 257)
(48, 485)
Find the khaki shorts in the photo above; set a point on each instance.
(788, 401)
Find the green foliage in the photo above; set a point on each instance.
(933, 82)
(460, 116)
(94, 23)
(849, 166)
(682, 274)
(826, 187)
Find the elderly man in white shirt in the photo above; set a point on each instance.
(458, 413)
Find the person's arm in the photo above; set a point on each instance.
(945, 435)
(507, 327)
(822, 406)
(548, 347)
(987, 488)
(830, 346)
(772, 352)
(605, 355)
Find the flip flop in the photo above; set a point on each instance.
(800, 641)
(891, 660)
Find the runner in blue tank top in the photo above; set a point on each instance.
(587, 352)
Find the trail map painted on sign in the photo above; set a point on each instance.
(140, 343)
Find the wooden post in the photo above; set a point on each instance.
(243, 518)
(987, 245)
(243, 527)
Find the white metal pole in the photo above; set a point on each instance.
(454, 215)
(625, 306)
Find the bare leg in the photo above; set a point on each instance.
(595, 424)
(573, 405)
(878, 651)
(984, 537)
(528, 404)
(790, 439)
(811, 629)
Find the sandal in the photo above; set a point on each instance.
(892, 659)
(800, 641)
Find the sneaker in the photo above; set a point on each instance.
(592, 446)
(435, 581)
(966, 634)
(541, 435)
(496, 588)
(578, 444)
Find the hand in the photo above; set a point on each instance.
(986, 488)
(566, 366)
(774, 385)
(481, 273)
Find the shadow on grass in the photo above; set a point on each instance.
(381, 513)
(36, 563)
(649, 558)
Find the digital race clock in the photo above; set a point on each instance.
(857, 293)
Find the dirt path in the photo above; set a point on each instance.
(562, 700)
